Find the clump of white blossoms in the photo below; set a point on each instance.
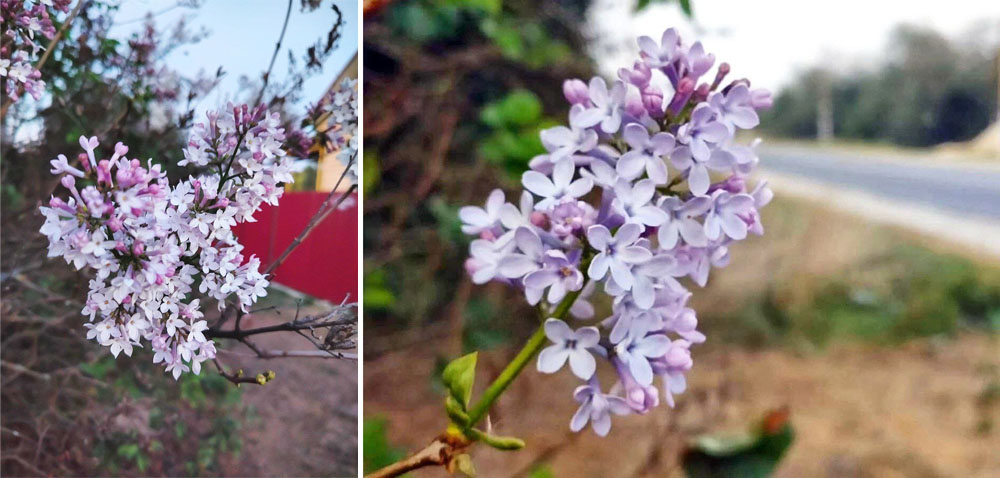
(25, 24)
(339, 109)
(158, 249)
(624, 199)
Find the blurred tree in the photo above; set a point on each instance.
(927, 90)
(455, 93)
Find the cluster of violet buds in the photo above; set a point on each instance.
(158, 250)
(25, 23)
(625, 198)
(339, 110)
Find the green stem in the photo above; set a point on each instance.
(514, 368)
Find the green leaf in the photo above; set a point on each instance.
(498, 442)
(458, 377)
(519, 108)
(371, 172)
(491, 7)
(686, 7)
(507, 39)
(128, 450)
(378, 452)
(378, 296)
(463, 464)
(541, 471)
(98, 369)
(753, 455)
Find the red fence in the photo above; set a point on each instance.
(325, 265)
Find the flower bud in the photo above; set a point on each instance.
(576, 92)
(539, 219)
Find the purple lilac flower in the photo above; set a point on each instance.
(479, 219)
(638, 347)
(696, 136)
(734, 108)
(726, 215)
(646, 154)
(596, 408)
(562, 141)
(558, 273)
(640, 398)
(682, 223)
(607, 106)
(632, 202)
(561, 185)
(658, 223)
(672, 367)
(662, 54)
(569, 345)
(616, 253)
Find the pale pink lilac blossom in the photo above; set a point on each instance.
(150, 242)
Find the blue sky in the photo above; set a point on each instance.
(241, 38)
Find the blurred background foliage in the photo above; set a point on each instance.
(456, 92)
(924, 89)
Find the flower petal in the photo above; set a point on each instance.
(552, 359)
(582, 364)
(538, 183)
(557, 331)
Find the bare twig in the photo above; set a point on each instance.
(59, 35)
(236, 377)
(274, 56)
(440, 452)
(272, 354)
(26, 371)
(302, 324)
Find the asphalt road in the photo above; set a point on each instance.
(966, 191)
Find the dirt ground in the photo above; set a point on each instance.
(858, 411)
(306, 420)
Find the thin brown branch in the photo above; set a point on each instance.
(301, 324)
(273, 354)
(439, 453)
(274, 56)
(236, 377)
(59, 34)
(20, 369)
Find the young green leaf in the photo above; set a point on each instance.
(459, 376)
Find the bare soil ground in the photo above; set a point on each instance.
(306, 420)
(858, 411)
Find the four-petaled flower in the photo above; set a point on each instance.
(569, 345)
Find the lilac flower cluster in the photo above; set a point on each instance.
(642, 150)
(154, 246)
(24, 20)
(340, 109)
